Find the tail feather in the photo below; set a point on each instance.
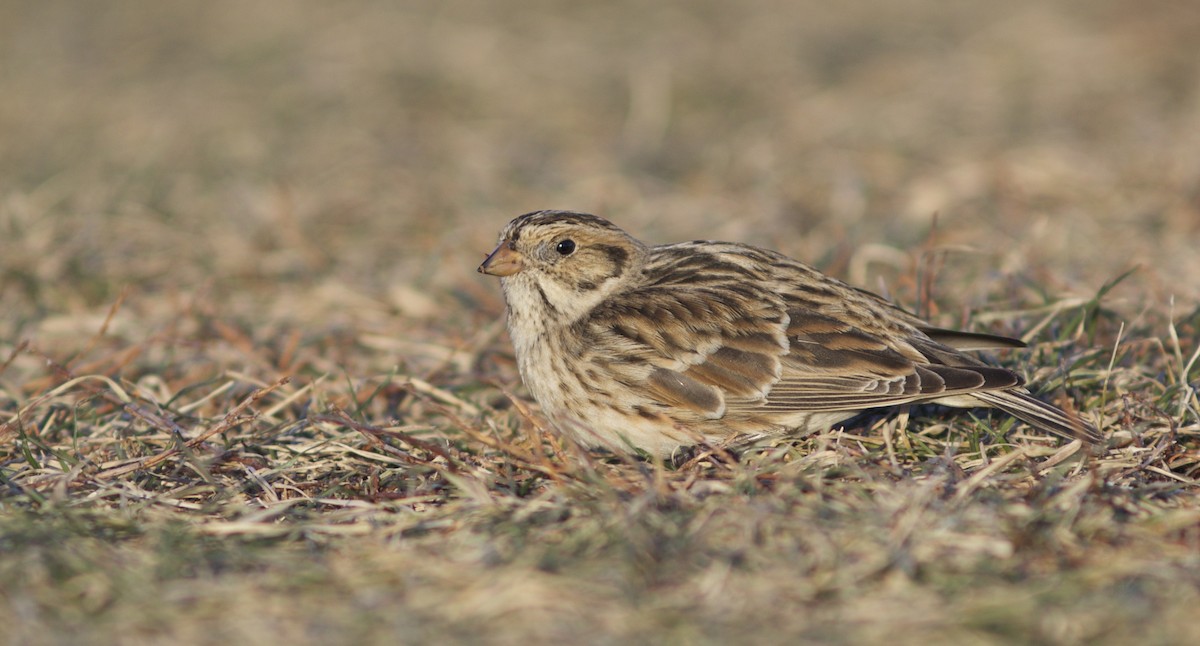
(1041, 415)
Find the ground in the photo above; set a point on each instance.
(252, 389)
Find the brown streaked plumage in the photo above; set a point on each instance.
(629, 346)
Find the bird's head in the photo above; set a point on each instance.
(559, 264)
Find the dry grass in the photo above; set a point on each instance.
(251, 389)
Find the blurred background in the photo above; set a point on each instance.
(350, 163)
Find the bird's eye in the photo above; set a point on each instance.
(565, 247)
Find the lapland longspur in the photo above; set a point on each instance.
(629, 346)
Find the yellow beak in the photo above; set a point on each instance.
(504, 261)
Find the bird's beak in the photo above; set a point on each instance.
(504, 261)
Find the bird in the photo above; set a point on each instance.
(648, 349)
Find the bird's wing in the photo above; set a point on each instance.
(692, 347)
(725, 347)
(834, 365)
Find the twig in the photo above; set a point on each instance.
(976, 479)
(373, 433)
(12, 356)
(527, 461)
(232, 418)
(425, 388)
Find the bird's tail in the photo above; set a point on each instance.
(1042, 415)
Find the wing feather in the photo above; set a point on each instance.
(969, 341)
(681, 390)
